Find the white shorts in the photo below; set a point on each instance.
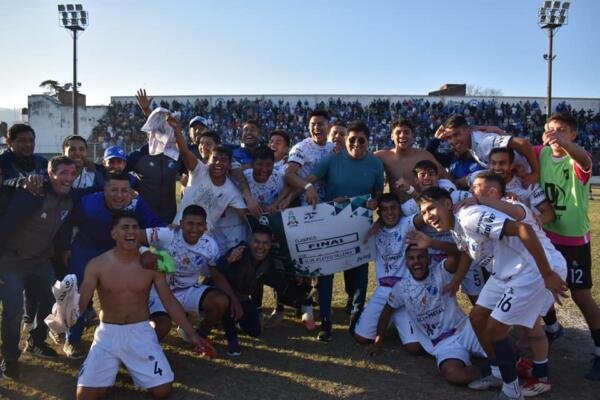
(369, 318)
(459, 346)
(520, 300)
(189, 298)
(136, 346)
(473, 281)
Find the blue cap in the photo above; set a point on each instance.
(199, 120)
(115, 152)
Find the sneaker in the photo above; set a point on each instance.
(524, 368)
(57, 338)
(324, 334)
(274, 319)
(594, 373)
(73, 350)
(552, 336)
(183, 335)
(308, 319)
(353, 321)
(10, 370)
(485, 383)
(534, 386)
(40, 350)
(503, 396)
(233, 349)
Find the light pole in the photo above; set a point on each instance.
(73, 18)
(552, 15)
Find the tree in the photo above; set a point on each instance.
(54, 87)
(476, 90)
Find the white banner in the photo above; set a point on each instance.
(328, 239)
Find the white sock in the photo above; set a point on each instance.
(496, 371)
(512, 390)
(553, 328)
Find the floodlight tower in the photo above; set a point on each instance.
(552, 15)
(75, 19)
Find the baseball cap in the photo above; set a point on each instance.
(115, 152)
(199, 120)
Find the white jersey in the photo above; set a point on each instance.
(389, 248)
(436, 314)
(483, 142)
(266, 192)
(447, 185)
(531, 196)
(281, 165)
(191, 260)
(230, 230)
(214, 199)
(308, 154)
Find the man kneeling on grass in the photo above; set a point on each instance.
(125, 334)
(446, 331)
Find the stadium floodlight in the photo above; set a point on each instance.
(75, 19)
(551, 16)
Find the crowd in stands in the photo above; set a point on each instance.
(121, 124)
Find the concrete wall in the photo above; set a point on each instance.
(53, 121)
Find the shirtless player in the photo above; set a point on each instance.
(125, 334)
(400, 161)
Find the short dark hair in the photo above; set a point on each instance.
(66, 141)
(433, 194)
(492, 177)
(193, 209)
(338, 123)
(402, 122)
(226, 151)
(359, 126)
(118, 215)
(455, 121)
(262, 229)
(319, 113)
(425, 165)
(387, 198)
(57, 161)
(283, 134)
(263, 153)
(15, 129)
(251, 122)
(116, 176)
(565, 118)
(503, 150)
(214, 135)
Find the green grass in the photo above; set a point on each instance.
(288, 363)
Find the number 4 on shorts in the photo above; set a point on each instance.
(157, 371)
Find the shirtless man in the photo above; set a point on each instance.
(125, 334)
(400, 161)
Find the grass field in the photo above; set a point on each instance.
(288, 363)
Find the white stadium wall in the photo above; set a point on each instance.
(52, 121)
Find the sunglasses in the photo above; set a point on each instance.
(354, 139)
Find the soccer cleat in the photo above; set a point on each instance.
(485, 383)
(233, 349)
(73, 350)
(324, 334)
(524, 368)
(10, 369)
(183, 335)
(594, 373)
(552, 336)
(57, 338)
(533, 387)
(503, 396)
(40, 350)
(274, 319)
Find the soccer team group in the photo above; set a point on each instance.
(503, 221)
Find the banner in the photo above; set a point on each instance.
(322, 240)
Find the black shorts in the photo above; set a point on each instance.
(579, 265)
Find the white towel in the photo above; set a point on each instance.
(161, 137)
(66, 309)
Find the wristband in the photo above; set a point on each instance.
(410, 190)
(307, 186)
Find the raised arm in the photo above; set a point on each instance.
(189, 159)
(144, 102)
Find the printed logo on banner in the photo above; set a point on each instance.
(292, 221)
(327, 243)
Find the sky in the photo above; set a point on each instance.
(179, 47)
